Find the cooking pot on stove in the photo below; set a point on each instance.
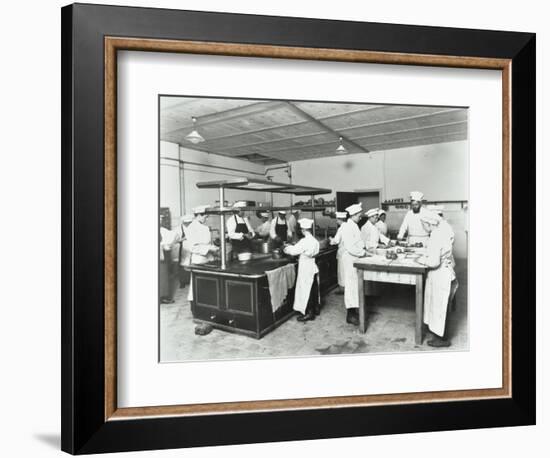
(261, 246)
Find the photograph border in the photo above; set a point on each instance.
(91, 421)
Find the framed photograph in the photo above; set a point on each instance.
(284, 228)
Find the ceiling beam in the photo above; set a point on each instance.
(266, 142)
(230, 114)
(415, 129)
(429, 137)
(293, 124)
(355, 139)
(405, 118)
(238, 112)
(324, 126)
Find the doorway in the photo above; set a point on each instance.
(368, 199)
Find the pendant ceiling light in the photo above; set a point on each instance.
(194, 136)
(341, 148)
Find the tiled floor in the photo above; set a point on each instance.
(390, 328)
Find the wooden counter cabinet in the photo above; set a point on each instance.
(237, 303)
(237, 299)
(328, 270)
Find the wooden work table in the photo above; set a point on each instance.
(402, 271)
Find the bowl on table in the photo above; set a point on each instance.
(244, 256)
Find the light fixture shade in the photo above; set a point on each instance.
(194, 137)
(341, 148)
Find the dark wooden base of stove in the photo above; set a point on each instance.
(241, 304)
(245, 332)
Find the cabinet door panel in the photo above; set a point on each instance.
(207, 291)
(240, 296)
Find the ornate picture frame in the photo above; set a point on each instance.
(92, 35)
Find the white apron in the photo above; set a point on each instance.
(199, 239)
(353, 248)
(441, 281)
(337, 240)
(351, 285)
(307, 248)
(185, 253)
(340, 264)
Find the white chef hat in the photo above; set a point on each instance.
(187, 218)
(437, 209)
(354, 209)
(264, 214)
(341, 215)
(429, 216)
(417, 195)
(200, 209)
(282, 212)
(381, 212)
(239, 204)
(305, 223)
(371, 212)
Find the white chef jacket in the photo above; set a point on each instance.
(231, 225)
(274, 221)
(441, 284)
(413, 226)
(353, 248)
(337, 240)
(446, 227)
(382, 227)
(306, 248)
(264, 229)
(168, 242)
(371, 236)
(292, 223)
(185, 258)
(200, 242)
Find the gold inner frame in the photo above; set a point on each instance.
(114, 44)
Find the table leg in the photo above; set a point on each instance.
(419, 308)
(362, 312)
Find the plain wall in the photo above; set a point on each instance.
(439, 171)
(179, 178)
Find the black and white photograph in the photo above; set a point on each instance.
(297, 228)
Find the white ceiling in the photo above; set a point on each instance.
(271, 132)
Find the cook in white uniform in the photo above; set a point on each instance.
(280, 230)
(381, 223)
(265, 227)
(292, 220)
(411, 223)
(169, 250)
(341, 218)
(239, 230)
(185, 250)
(200, 241)
(444, 223)
(353, 249)
(370, 233)
(441, 282)
(306, 295)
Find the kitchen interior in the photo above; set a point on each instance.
(308, 159)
